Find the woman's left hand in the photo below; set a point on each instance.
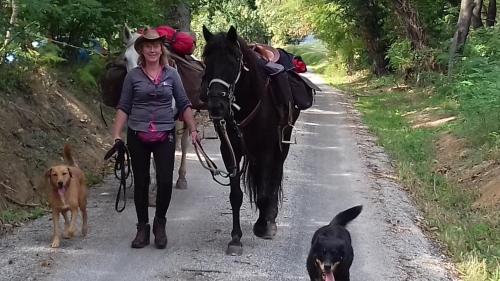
(195, 137)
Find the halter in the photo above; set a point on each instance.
(230, 86)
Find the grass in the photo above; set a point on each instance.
(94, 178)
(472, 236)
(21, 215)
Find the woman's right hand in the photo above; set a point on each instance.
(195, 137)
(120, 121)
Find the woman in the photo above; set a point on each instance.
(149, 91)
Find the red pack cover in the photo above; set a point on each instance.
(300, 65)
(166, 31)
(180, 42)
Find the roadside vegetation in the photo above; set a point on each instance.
(443, 134)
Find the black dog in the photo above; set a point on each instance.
(331, 252)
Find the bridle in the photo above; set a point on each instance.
(220, 125)
(230, 87)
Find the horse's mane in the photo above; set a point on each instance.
(250, 61)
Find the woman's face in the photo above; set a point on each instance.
(151, 51)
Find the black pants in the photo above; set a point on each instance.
(164, 156)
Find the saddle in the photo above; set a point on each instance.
(266, 52)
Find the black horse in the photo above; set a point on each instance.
(240, 103)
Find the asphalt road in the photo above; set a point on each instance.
(334, 166)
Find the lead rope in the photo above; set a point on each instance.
(122, 171)
(208, 164)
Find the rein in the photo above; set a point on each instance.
(211, 166)
(122, 166)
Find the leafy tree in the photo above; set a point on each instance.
(218, 16)
(76, 22)
(286, 21)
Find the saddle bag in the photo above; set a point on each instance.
(303, 90)
(111, 82)
(291, 61)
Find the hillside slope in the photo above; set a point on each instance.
(40, 114)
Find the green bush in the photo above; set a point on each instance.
(401, 56)
(89, 74)
(476, 88)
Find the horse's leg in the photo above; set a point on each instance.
(184, 141)
(270, 186)
(269, 175)
(235, 247)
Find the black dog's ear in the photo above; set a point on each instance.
(232, 35)
(207, 34)
(70, 174)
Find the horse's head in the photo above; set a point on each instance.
(224, 62)
(131, 56)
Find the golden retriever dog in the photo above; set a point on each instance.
(67, 191)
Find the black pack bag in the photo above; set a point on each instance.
(111, 82)
(286, 59)
(303, 90)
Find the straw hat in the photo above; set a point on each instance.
(149, 35)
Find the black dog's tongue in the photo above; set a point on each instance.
(328, 276)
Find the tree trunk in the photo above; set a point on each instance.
(477, 22)
(492, 13)
(371, 33)
(178, 16)
(463, 25)
(408, 15)
(8, 34)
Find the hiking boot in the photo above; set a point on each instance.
(159, 232)
(142, 238)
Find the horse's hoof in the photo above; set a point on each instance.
(181, 184)
(266, 230)
(234, 249)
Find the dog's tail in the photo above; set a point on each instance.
(343, 218)
(68, 156)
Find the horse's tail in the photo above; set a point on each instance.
(252, 184)
(250, 180)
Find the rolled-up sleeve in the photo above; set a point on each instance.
(181, 100)
(125, 103)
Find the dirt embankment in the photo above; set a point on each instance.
(485, 177)
(38, 116)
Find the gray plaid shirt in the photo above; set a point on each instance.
(151, 105)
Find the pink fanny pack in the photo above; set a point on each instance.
(152, 135)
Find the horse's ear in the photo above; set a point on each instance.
(232, 35)
(207, 34)
(127, 34)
